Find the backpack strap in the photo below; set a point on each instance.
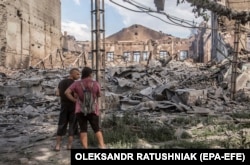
(82, 86)
(92, 84)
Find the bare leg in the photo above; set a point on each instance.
(70, 141)
(84, 139)
(58, 142)
(100, 140)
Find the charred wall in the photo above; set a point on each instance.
(30, 30)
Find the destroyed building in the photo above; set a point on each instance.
(193, 98)
(216, 42)
(137, 44)
(37, 39)
(30, 30)
(226, 26)
(133, 45)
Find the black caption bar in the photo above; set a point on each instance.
(196, 156)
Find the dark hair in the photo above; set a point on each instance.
(72, 70)
(86, 72)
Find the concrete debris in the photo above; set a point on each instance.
(29, 105)
(192, 96)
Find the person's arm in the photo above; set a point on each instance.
(69, 95)
(75, 95)
(98, 93)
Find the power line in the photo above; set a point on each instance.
(183, 20)
(173, 19)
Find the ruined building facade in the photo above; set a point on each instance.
(226, 26)
(218, 44)
(137, 44)
(29, 31)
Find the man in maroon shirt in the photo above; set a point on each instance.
(92, 118)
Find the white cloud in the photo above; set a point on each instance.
(80, 31)
(77, 2)
(183, 11)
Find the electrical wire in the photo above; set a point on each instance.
(140, 11)
(171, 18)
(183, 20)
(174, 20)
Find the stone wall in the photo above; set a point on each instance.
(30, 30)
(3, 26)
(69, 44)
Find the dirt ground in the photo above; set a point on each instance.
(20, 150)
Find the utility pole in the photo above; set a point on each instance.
(98, 46)
(214, 32)
(235, 59)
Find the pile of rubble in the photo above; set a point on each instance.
(29, 107)
(179, 87)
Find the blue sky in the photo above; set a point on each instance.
(76, 17)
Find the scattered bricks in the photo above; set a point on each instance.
(29, 82)
(242, 81)
(19, 91)
(192, 96)
(157, 79)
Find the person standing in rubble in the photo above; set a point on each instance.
(67, 118)
(93, 118)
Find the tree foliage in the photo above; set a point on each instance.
(200, 7)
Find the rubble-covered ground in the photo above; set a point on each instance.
(192, 98)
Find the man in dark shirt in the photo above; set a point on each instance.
(67, 116)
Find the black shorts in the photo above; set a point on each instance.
(83, 122)
(67, 119)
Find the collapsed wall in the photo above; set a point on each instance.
(30, 30)
(227, 26)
